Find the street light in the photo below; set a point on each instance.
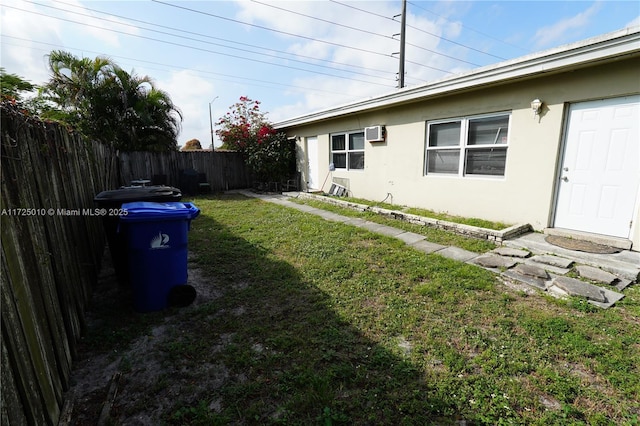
(211, 122)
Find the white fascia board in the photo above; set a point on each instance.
(571, 56)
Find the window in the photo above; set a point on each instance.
(347, 150)
(475, 146)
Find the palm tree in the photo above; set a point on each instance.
(109, 104)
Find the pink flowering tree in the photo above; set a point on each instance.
(268, 153)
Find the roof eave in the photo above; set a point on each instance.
(572, 56)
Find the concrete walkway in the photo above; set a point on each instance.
(526, 260)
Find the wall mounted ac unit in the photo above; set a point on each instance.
(374, 134)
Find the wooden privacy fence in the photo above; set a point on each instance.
(224, 170)
(51, 252)
(52, 244)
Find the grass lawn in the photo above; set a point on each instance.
(434, 235)
(321, 323)
(433, 214)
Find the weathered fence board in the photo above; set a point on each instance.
(49, 260)
(224, 170)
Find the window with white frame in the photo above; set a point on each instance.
(468, 146)
(347, 150)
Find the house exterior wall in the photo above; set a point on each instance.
(394, 169)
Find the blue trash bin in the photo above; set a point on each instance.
(157, 237)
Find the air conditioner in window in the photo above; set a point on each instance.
(374, 134)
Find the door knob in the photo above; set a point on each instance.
(566, 179)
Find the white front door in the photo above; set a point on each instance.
(312, 163)
(600, 172)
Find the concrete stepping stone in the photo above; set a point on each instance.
(457, 253)
(410, 237)
(533, 281)
(427, 246)
(559, 262)
(596, 274)
(612, 298)
(576, 287)
(330, 216)
(355, 221)
(511, 252)
(383, 229)
(550, 268)
(622, 284)
(532, 271)
(490, 260)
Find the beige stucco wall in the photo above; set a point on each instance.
(394, 170)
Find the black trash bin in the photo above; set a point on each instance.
(112, 201)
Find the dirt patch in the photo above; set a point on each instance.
(140, 382)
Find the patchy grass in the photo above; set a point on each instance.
(341, 326)
(434, 235)
(372, 203)
(482, 223)
(472, 221)
(321, 323)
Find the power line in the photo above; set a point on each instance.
(408, 44)
(418, 29)
(323, 20)
(204, 50)
(468, 28)
(271, 29)
(367, 32)
(203, 35)
(456, 43)
(138, 60)
(217, 44)
(295, 35)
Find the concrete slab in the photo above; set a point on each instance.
(427, 246)
(596, 274)
(621, 243)
(556, 291)
(611, 296)
(579, 288)
(303, 208)
(625, 264)
(550, 268)
(491, 260)
(333, 217)
(557, 261)
(536, 282)
(622, 283)
(457, 253)
(533, 271)
(355, 221)
(410, 237)
(383, 229)
(512, 252)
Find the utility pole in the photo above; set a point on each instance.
(403, 30)
(211, 123)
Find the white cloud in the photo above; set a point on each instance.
(19, 54)
(346, 46)
(633, 23)
(563, 29)
(187, 90)
(30, 32)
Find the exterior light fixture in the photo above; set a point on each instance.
(536, 106)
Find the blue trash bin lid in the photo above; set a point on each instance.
(145, 211)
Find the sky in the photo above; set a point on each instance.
(295, 57)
